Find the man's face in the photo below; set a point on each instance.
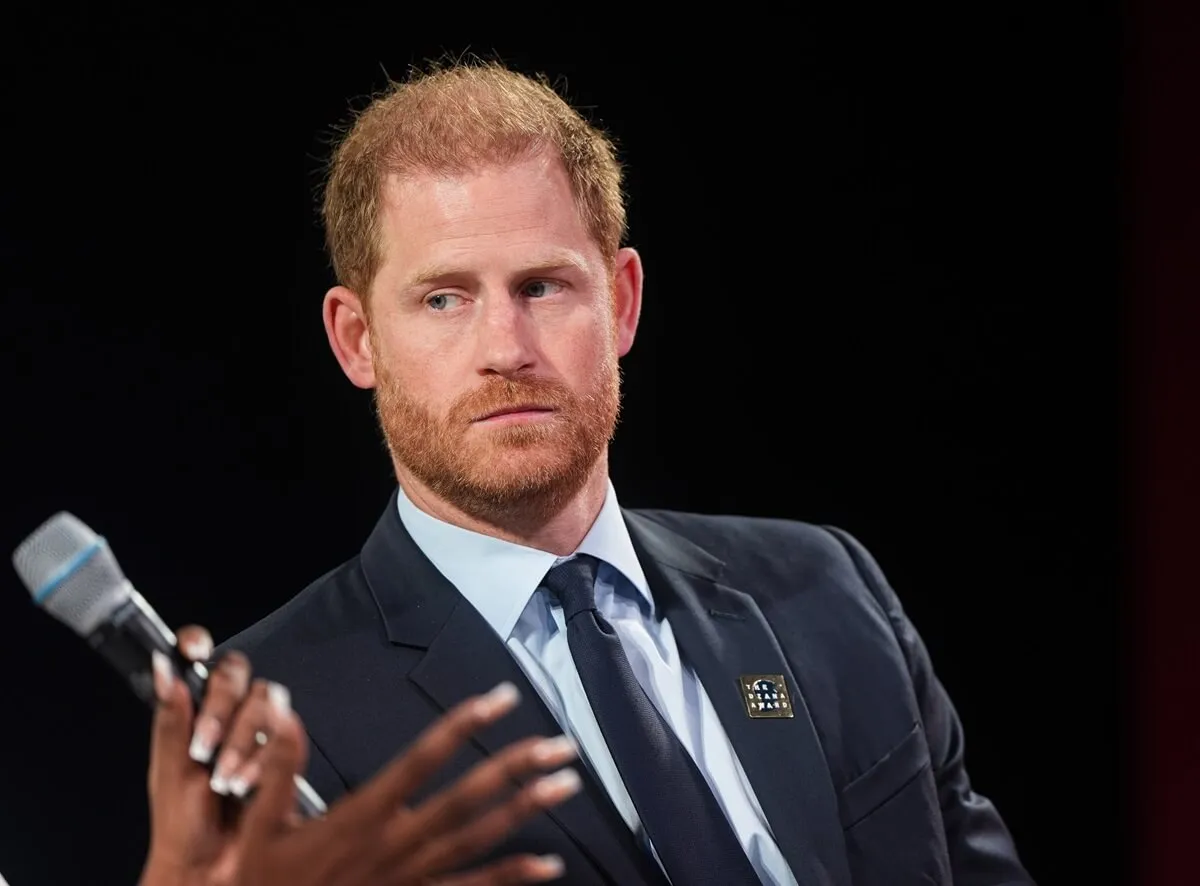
(494, 339)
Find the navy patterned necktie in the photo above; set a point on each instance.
(689, 831)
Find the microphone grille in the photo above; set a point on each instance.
(71, 573)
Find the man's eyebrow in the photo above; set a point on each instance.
(441, 273)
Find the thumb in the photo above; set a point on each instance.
(283, 757)
(171, 731)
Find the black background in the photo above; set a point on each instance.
(884, 264)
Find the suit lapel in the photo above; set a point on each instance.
(464, 657)
(722, 634)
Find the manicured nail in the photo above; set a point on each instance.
(498, 701)
(245, 778)
(163, 675)
(198, 650)
(204, 739)
(550, 867)
(279, 697)
(559, 786)
(227, 764)
(554, 751)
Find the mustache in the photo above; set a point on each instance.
(506, 393)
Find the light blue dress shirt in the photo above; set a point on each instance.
(502, 580)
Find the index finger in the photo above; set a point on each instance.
(436, 745)
(171, 730)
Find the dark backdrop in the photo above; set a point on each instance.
(883, 291)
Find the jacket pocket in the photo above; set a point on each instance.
(886, 778)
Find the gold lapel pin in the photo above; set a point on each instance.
(766, 696)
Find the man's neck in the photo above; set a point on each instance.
(561, 534)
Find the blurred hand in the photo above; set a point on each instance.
(201, 838)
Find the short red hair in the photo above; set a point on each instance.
(453, 120)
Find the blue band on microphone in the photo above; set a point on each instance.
(66, 571)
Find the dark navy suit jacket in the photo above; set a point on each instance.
(864, 785)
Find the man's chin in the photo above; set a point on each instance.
(525, 474)
(516, 468)
(517, 475)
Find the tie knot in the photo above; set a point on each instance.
(573, 583)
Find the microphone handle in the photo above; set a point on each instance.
(126, 640)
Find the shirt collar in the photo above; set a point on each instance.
(498, 577)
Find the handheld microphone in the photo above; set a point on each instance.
(72, 574)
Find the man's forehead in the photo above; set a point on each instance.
(449, 213)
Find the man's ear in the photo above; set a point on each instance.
(349, 335)
(627, 297)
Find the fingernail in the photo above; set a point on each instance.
(245, 778)
(227, 764)
(198, 650)
(163, 675)
(200, 750)
(551, 751)
(280, 698)
(559, 786)
(550, 866)
(204, 739)
(498, 701)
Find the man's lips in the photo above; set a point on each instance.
(517, 412)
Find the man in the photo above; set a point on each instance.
(749, 701)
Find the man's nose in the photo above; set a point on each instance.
(505, 336)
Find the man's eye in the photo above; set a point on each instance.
(441, 301)
(542, 288)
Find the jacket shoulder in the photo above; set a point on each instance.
(775, 558)
(326, 608)
(735, 538)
